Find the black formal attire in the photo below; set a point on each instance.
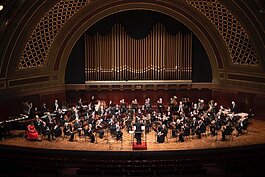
(234, 108)
(160, 107)
(227, 131)
(200, 129)
(138, 132)
(68, 131)
(162, 133)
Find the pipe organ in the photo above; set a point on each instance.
(119, 57)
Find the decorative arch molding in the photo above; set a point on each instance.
(37, 47)
(51, 70)
(90, 15)
(237, 40)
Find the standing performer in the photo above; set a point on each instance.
(138, 131)
(160, 106)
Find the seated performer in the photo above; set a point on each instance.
(78, 126)
(32, 133)
(119, 132)
(67, 130)
(201, 128)
(227, 130)
(161, 133)
(99, 128)
(88, 131)
(38, 123)
(241, 125)
(49, 131)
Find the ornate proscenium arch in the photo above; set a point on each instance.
(91, 16)
(48, 45)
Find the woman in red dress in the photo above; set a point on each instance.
(32, 133)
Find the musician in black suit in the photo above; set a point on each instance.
(38, 123)
(138, 131)
(68, 130)
(88, 131)
(44, 109)
(123, 106)
(201, 128)
(241, 125)
(227, 130)
(160, 105)
(148, 106)
(118, 132)
(161, 133)
(48, 131)
(234, 108)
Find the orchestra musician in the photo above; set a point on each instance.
(68, 131)
(147, 105)
(201, 128)
(48, 130)
(241, 125)
(88, 131)
(215, 108)
(161, 133)
(227, 130)
(123, 106)
(44, 109)
(233, 107)
(32, 133)
(147, 122)
(56, 105)
(78, 126)
(38, 123)
(214, 127)
(200, 105)
(160, 105)
(174, 106)
(79, 103)
(135, 105)
(27, 108)
(186, 130)
(99, 128)
(118, 132)
(193, 125)
(57, 131)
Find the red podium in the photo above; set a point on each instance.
(142, 146)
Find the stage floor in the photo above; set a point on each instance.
(255, 135)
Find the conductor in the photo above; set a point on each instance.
(138, 131)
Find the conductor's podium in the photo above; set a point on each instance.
(142, 146)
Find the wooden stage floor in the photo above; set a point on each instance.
(255, 135)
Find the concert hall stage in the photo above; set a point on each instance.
(254, 135)
(208, 156)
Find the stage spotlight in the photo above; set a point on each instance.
(1, 7)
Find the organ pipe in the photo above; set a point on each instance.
(158, 56)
